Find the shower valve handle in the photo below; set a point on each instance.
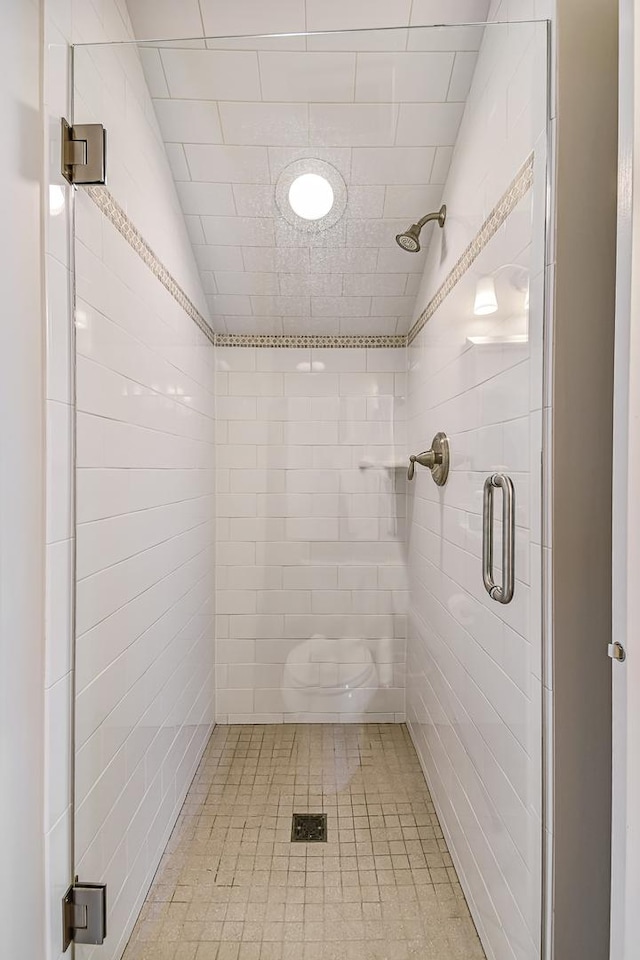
(427, 459)
(435, 459)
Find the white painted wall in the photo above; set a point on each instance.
(21, 488)
(474, 688)
(311, 527)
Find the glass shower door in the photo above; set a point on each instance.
(145, 482)
(475, 658)
(251, 382)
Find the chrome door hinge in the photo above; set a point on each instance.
(617, 652)
(84, 914)
(84, 148)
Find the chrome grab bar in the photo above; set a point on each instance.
(504, 593)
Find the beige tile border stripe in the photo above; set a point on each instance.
(117, 216)
(518, 188)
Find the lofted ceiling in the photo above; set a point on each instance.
(382, 107)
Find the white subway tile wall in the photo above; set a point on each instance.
(145, 565)
(311, 568)
(474, 689)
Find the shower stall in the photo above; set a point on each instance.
(310, 352)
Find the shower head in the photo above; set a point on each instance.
(410, 239)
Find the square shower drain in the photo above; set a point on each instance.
(309, 828)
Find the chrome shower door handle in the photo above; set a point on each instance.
(503, 593)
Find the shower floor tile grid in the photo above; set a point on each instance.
(232, 885)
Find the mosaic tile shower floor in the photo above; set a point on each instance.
(232, 885)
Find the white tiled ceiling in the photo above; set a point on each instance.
(383, 107)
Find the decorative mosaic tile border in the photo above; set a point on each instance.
(518, 188)
(327, 341)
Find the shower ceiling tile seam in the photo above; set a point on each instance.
(358, 84)
(230, 106)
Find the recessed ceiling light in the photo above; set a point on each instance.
(311, 196)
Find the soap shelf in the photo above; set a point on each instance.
(383, 465)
